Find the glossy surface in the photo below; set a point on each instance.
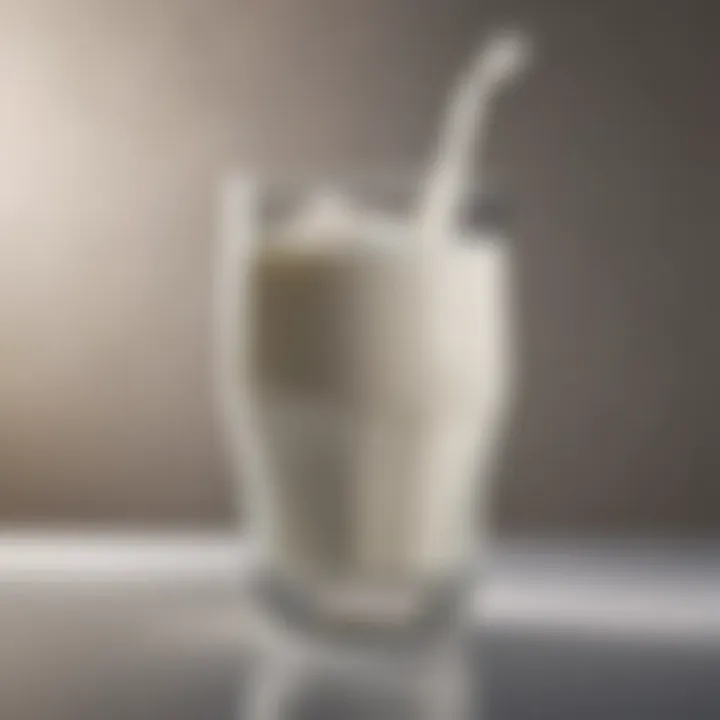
(162, 644)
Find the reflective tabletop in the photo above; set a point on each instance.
(151, 628)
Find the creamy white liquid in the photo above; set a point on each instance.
(379, 379)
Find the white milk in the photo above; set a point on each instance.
(379, 377)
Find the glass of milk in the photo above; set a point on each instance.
(374, 375)
(364, 368)
(368, 388)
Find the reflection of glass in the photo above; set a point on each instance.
(305, 670)
(365, 381)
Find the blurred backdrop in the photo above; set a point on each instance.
(117, 119)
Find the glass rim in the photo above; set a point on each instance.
(485, 207)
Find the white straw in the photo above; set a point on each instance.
(465, 127)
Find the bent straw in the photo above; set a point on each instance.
(465, 127)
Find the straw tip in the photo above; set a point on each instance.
(507, 53)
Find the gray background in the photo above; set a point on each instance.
(117, 119)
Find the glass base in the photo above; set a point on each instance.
(396, 657)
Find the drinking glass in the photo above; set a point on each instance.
(364, 386)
